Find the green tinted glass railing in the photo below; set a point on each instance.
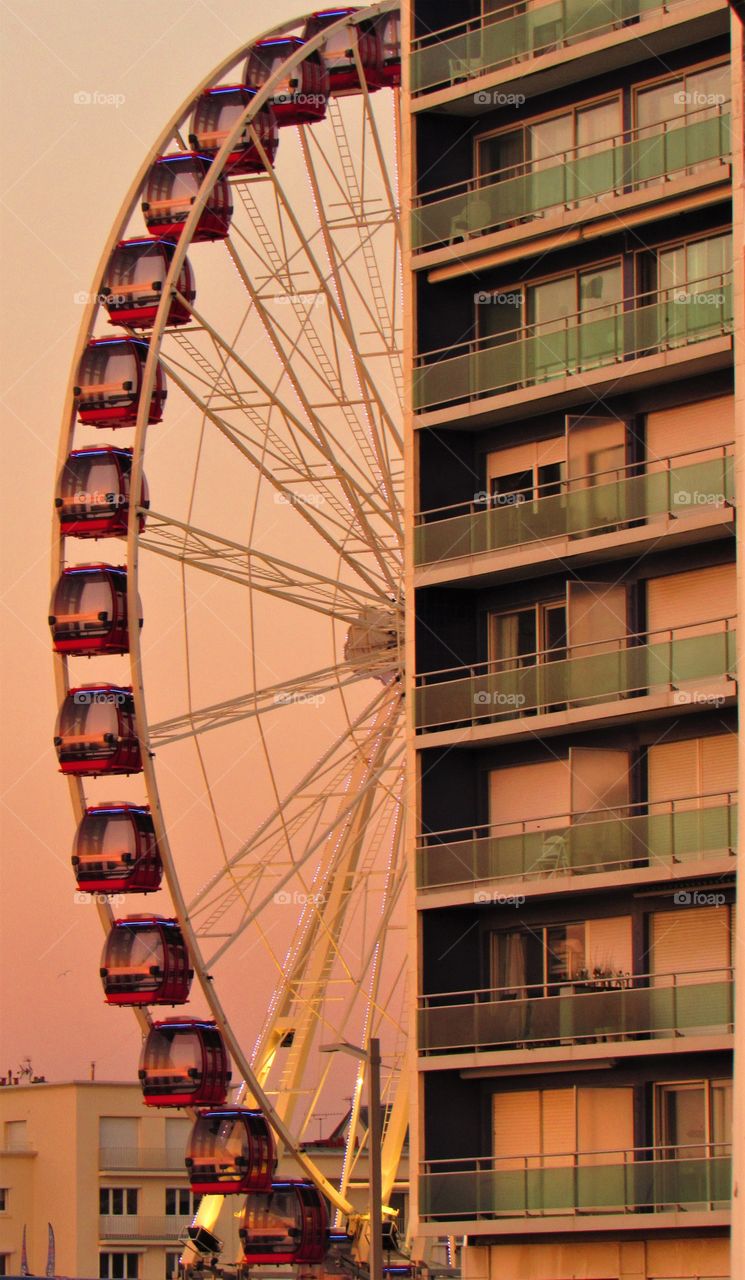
(548, 353)
(598, 507)
(616, 169)
(577, 1014)
(460, 55)
(583, 1184)
(583, 848)
(576, 681)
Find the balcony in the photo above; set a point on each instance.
(645, 1181)
(503, 692)
(572, 180)
(113, 1226)
(594, 1009)
(142, 1159)
(468, 49)
(606, 336)
(659, 836)
(585, 507)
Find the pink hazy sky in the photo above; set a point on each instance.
(66, 169)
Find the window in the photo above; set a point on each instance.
(172, 1265)
(538, 959)
(694, 1119)
(3, 1199)
(4, 1264)
(683, 99)
(518, 639)
(117, 1200)
(181, 1201)
(118, 1266)
(16, 1136)
(550, 142)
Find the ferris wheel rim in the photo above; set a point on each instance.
(134, 540)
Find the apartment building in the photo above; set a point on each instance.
(104, 1170)
(572, 606)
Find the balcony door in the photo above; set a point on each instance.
(597, 454)
(693, 1128)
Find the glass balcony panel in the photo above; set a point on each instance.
(571, 179)
(636, 839)
(686, 317)
(698, 1004)
(596, 508)
(458, 56)
(595, 1182)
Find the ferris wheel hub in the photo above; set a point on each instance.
(374, 642)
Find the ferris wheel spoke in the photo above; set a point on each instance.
(199, 549)
(312, 518)
(329, 445)
(345, 816)
(334, 304)
(319, 437)
(258, 702)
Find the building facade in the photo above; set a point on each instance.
(104, 1170)
(575, 274)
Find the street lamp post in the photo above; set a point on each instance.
(375, 1135)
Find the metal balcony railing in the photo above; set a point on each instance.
(597, 672)
(645, 1180)
(588, 505)
(516, 34)
(113, 1226)
(599, 1007)
(610, 333)
(148, 1158)
(661, 834)
(615, 166)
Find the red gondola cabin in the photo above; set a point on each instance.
(89, 611)
(134, 281)
(300, 96)
(231, 1151)
(388, 28)
(338, 51)
(215, 114)
(116, 850)
(171, 190)
(93, 493)
(110, 383)
(184, 1063)
(96, 731)
(288, 1226)
(145, 962)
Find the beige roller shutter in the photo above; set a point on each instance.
(673, 770)
(693, 940)
(693, 770)
(608, 944)
(530, 796)
(690, 426)
(516, 1127)
(558, 1127)
(683, 599)
(526, 457)
(719, 763)
(605, 1124)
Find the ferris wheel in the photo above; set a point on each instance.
(234, 747)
